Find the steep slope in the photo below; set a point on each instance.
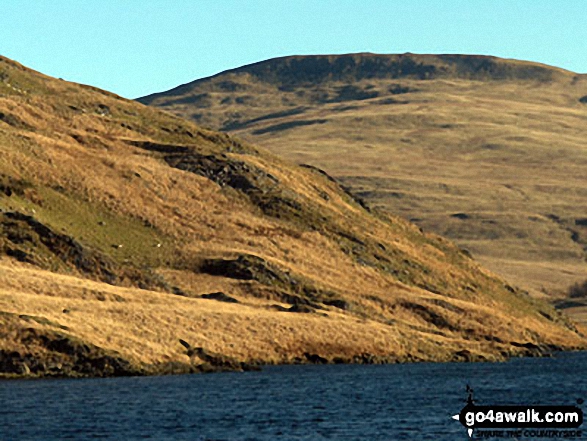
(486, 151)
(132, 241)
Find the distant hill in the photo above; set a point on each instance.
(288, 73)
(136, 242)
(488, 152)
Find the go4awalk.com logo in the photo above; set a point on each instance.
(520, 421)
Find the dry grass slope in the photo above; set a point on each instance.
(116, 218)
(488, 152)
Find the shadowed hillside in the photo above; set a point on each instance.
(135, 242)
(488, 152)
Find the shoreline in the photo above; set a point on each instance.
(231, 365)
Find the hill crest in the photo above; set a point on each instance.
(298, 70)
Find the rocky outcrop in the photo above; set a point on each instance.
(203, 360)
(10, 186)
(291, 288)
(56, 354)
(220, 296)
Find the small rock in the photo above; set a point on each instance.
(220, 296)
(298, 307)
(315, 358)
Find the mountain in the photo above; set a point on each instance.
(485, 151)
(135, 242)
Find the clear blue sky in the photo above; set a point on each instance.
(137, 47)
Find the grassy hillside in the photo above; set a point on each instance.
(488, 152)
(132, 241)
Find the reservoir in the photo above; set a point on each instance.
(332, 402)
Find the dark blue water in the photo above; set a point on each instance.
(392, 402)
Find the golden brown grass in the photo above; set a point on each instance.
(146, 326)
(409, 295)
(508, 153)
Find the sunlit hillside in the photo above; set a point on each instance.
(133, 241)
(488, 152)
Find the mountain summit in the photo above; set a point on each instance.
(294, 71)
(135, 242)
(485, 151)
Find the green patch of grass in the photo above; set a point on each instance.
(97, 228)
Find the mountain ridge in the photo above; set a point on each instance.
(489, 157)
(135, 242)
(392, 66)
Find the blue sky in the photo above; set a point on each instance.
(136, 47)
